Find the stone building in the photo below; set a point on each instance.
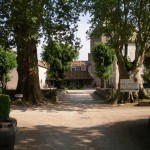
(77, 76)
(114, 80)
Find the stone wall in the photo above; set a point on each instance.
(105, 93)
(46, 92)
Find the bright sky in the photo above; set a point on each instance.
(83, 26)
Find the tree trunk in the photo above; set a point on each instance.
(28, 79)
(26, 19)
(125, 73)
(136, 74)
(3, 82)
(123, 97)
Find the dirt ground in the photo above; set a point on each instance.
(82, 121)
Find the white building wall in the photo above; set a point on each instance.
(42, 77)
(131, 51)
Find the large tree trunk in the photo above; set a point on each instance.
(129, 73)
(28, 81)
(26, 17)
(122, 97)
(136, 73)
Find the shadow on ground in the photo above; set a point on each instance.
(70, 102)
(128, 135)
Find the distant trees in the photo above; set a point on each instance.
(7, 63)
(59, 57)
(103, 57)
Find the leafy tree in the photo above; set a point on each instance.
(146, 75)
(123, 22)
(5, 30)
(103, 57)
(27, 22)
(7, 63)
(58, 56)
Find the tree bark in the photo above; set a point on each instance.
(26, 33)
(28, 79)
(123, 97)
(124, 73)
(142, 94)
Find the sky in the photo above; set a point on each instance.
(83, 26)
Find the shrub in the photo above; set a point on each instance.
(79, 86)
(4, 106)
(72, 86)
(1, 91)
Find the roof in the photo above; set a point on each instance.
(79, 63)
(42, 64)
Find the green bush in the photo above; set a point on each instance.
(4, 106)
(79, 86)
(72, 86)
(1, 91)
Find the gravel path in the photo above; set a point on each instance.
(81, 121)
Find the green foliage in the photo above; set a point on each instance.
(1, 91)
(147, 61)
(25, 22)
(7, 63)
(74, 87)
(53, 19)
(103, 57)
(122, 22)
(5, 29)
(79, 86)
(4, 106)
(146, 75)
(129, 64)
(58, 56)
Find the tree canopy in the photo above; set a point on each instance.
(103, 57)
(59, 57)
(123, 22)
(25, 22)
(51, 19)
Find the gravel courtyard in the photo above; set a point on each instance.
(82, 121)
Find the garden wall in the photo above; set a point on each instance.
(105, 93)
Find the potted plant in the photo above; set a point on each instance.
(7, 125)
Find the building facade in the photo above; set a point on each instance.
(12, 84)
(78, 76)
(114, 80)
